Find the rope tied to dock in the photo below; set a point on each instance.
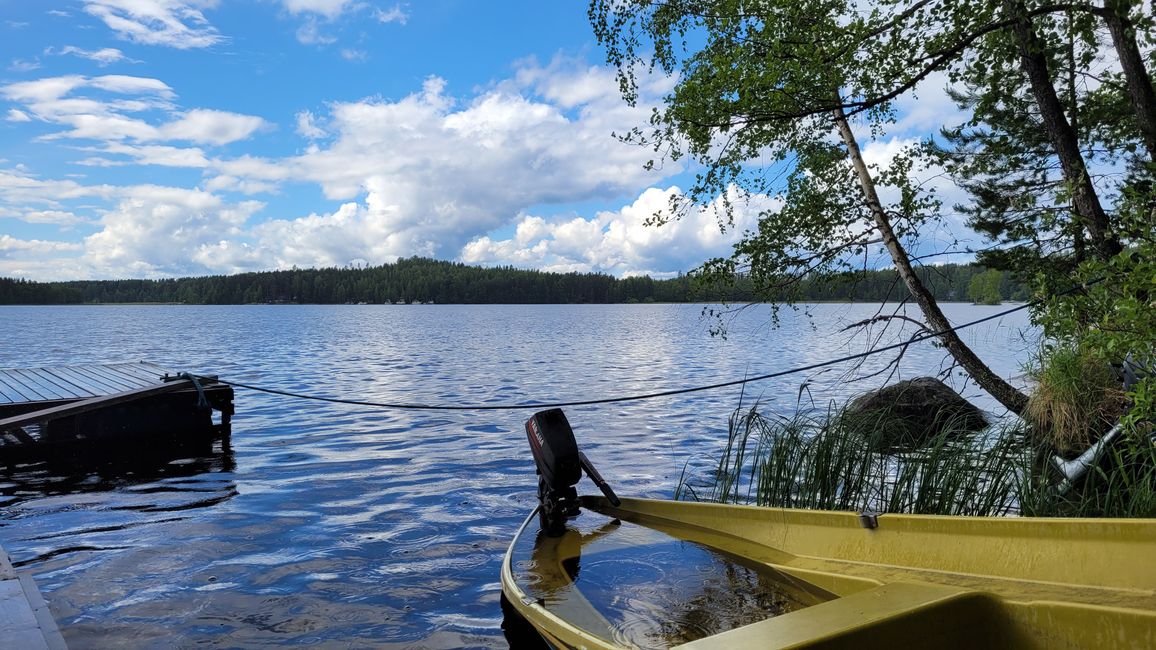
(202, 401)
(655, 395)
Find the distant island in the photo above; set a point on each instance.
(422, 280)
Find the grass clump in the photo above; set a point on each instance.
(1077, 398)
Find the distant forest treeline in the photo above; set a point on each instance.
(425, 280)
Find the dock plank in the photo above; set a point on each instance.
(96, 374)
(108, 374)
(23, 385)
(61, 378)
(146, 371)
(100, 375)
(28, 386)
(128, 374)
(84, 381)
(44, 383)
(72, 384)
(9, 394)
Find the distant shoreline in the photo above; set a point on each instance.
(426, 281)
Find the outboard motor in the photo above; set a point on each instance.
(560, 465)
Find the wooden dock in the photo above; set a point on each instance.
(25, 621)
(49, 412)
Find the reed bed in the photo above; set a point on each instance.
(819, 462)
(1121, 484)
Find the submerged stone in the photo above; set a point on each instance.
(908, 414)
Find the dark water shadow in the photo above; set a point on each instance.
(100, 471)
(518, 631)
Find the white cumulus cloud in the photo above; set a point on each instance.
(119, 83)
(620, 242)
(20, 188)
(160, 155)
(42, 90)
(156, 231)
(435, 172)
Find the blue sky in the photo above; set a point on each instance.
(160, 138)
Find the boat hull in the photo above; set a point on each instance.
(824, 579)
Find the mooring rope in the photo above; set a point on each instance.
(647, 396)
(202, 401)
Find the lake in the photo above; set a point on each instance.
(348, 526)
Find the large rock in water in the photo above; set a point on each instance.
(908, 414)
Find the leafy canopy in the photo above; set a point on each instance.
(757, 86)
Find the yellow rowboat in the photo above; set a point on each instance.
(657, 574)
(664, 573)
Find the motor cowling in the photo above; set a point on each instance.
(554, 448)
(560, 465)
(559, 468)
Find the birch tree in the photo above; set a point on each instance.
(765, 100)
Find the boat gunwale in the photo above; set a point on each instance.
(536, 613)
(1064, 531)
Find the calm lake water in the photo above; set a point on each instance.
(343, 526)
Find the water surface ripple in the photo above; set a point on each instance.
(341, 526)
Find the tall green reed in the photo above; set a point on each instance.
(818, 462)
(829, 462)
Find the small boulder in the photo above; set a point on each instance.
(908, 414)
